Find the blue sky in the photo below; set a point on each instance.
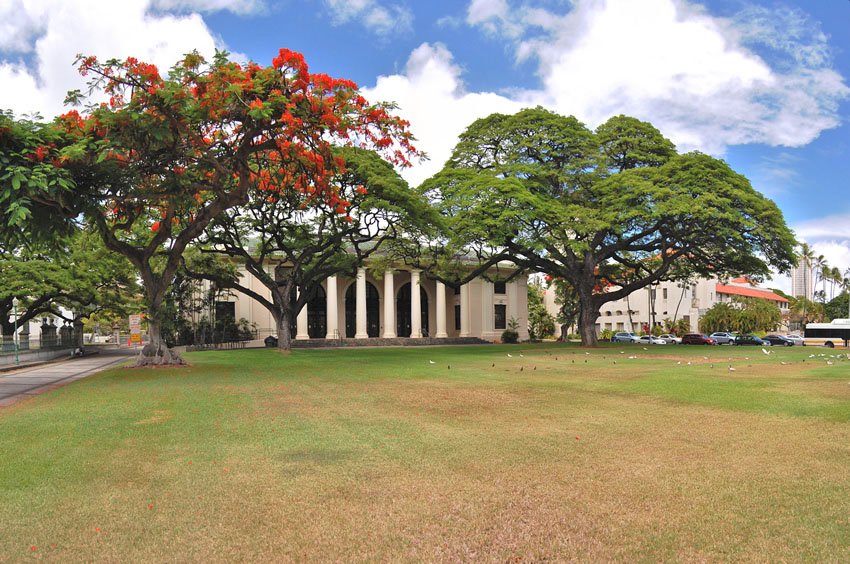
(763, 84)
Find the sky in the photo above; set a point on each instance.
(762, 84)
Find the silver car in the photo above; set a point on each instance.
(650, 340)
(723, 338)
(797, 340)
(624, 337)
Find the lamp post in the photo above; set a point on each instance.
(15, 334)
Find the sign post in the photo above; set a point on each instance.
(135, 331)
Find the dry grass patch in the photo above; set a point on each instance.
(319, 456)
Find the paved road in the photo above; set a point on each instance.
(16, 385)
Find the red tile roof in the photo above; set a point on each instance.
(749, 292)
(741, 280)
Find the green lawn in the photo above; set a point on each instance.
(553, 453)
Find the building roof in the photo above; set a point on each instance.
(749, 292)
(741, 280)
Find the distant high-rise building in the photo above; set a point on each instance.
(802, 279)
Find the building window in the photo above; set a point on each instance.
(664, 293)
(225, 310)
(457, 317)
(499, 288)
(457, 291)
(501, 316)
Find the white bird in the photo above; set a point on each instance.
(680, 362)
(431, 362)
(811, 356)
(705, 358)
(510, 355)
(783, 363)
(521, 355)
(624, 352)
(586, 353)
(731, 369)
(689, 363)
(765, 351)
(829, 362)
(632, 357)
(646, 349)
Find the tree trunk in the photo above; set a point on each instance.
(156, 352)
(587, 326)
(284, 332)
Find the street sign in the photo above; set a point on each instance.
(135, 330)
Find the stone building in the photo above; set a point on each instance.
(386, 305)
(650, 306)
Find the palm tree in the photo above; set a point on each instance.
(820, 265)
(835, 280)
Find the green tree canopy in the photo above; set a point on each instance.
(291, 251)
(609, 211)
(167, 155)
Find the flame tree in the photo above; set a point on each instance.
(165, 156)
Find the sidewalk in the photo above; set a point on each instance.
(29, 381)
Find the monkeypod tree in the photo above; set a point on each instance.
(608, 211)
(165, 156)
(290, 246)
(74, 274)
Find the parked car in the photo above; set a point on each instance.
(796, 340)
(624, 337)
(778, 340)
(697, 339)
(651, 340)
(723, 337)
(750, 340)
(670, 339)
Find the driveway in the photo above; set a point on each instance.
(26, 382)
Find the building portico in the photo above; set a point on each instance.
(392, 303)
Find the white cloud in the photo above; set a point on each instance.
(432, 97)
(494, 16)
(666, 61)
(241, 7)
(65, 29)
(694, 76)
(382, 19)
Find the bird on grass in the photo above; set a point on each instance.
(510, 355)
(731, 369)
(431, 362)
(765, 351)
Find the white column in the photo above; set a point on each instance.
(389, 305)
(362, 328)
(464, 311)
(415, 306)
(301, 333)
(331, 309)
(441, 311)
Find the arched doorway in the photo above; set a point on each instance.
(317, 314)
(403, 320)
(372, 311)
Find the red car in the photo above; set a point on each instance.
(697, 339)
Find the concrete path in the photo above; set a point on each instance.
(16, 385)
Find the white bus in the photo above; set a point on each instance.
(833, 334)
